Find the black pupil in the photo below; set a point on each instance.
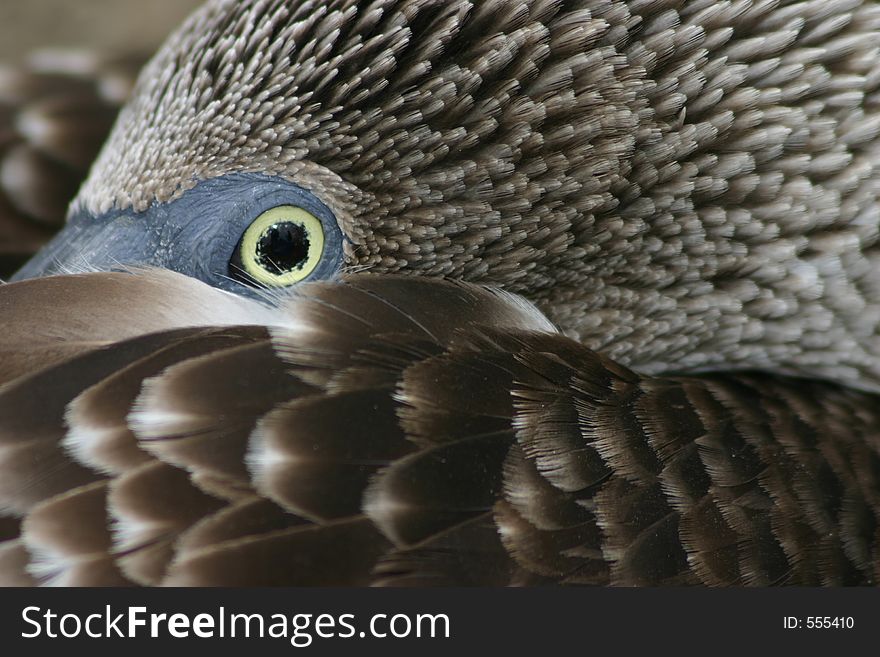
(283, 247)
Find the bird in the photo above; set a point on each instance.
(404, 431)
(498, 293)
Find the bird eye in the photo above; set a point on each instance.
(281, 247)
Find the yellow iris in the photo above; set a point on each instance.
(282, 246)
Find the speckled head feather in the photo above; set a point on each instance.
(682, 185)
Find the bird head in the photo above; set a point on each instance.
(668, 187)
(271, 142)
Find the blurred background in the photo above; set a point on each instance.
(57, 108)
(110, 25)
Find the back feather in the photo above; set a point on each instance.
(406, 431)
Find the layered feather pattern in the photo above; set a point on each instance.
(682, 186)
(406, 431)
(679, 184)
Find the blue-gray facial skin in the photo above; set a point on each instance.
(196, 234)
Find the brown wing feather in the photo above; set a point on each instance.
(199, 413)
(421, 450)
(97, 419)
(149, 508)
(14, 559)
(335, 442)
(69, 539)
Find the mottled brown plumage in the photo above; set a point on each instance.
(453, 438)
(678, 184)
(687, 189)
